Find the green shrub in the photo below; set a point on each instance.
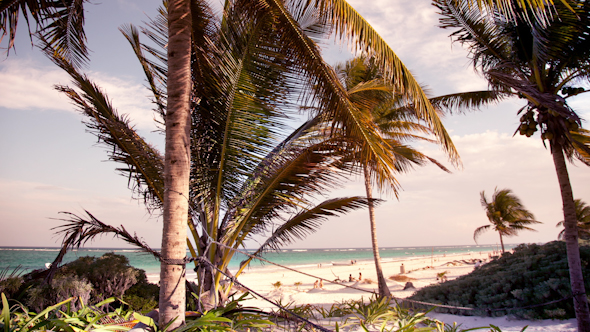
(110, 275)
(142, 297)
(92, 279)
(41, 295)
(533, 274)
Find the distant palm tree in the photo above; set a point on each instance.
(583, 218)
(506, 213)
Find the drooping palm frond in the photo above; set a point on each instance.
(60, 23)
(287, 182)
(79, 230)
(479, 231)
(143, 163)
(308, 221)
(350, 25)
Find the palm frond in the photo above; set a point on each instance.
(467, 101)
(479, 231)
(60, 23)
(286, 183)
(144, 165)
(309, 220)
(350, 25)
(156, 81)
(581, 144)
(79, 230)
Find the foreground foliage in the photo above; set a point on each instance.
(533, 274)
(89, 279)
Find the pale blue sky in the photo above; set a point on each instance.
(50, 164)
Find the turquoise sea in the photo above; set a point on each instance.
(29, 259)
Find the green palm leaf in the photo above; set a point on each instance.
(60, 23)
(143, 163)
(308, 221)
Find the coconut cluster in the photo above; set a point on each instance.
(528, 125)
(547, 121)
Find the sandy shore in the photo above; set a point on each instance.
(299, 289)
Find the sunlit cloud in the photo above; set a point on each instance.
(27, 85)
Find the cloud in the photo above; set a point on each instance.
(437, 208)
(26, 85)
(410, 29)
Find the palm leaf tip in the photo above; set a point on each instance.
(309, 220)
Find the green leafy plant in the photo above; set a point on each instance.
(62, 317)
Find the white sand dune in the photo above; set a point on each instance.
(298, 289)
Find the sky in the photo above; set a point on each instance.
(49, 163)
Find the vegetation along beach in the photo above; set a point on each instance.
(329, 165)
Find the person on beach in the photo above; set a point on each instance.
(360, 276)
(316, 283)
(478, 264)
(321, 284)
(350, 277)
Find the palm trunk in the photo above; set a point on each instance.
(571, 240)
(176, 166)
(501, 241)
(383, 289)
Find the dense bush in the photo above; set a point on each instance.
(533, 274)
(92, 279)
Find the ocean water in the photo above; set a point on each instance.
(28, 259)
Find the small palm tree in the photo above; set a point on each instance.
(583, 218)
(506, 213)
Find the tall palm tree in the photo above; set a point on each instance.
(365, 87)
(398, 124)
(506, 214)
(583, 218)
(545, 65)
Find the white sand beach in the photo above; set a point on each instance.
(299, 289)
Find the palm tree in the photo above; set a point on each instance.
(545, 65)
(370, 94)
(583, 218)
(398, 124)
(506, 214)
(241, 182)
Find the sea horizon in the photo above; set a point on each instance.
(33, 258)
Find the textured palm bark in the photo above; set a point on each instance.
(383, 289)
(501, 242)
(176, 165)
(571, 240)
